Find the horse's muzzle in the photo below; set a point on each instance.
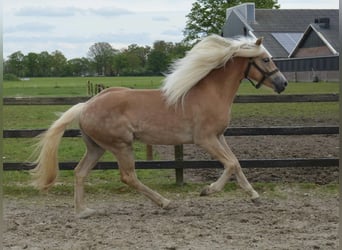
(280, 84)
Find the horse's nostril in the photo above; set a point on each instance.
(285, 84)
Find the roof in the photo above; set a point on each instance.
(325, 36)
(277, 24)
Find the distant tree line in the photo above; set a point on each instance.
(102, 60)
(206, 17)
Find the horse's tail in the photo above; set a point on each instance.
(45, 172)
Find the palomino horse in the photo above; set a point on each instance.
(193, 106)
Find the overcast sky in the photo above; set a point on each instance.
(72, 26)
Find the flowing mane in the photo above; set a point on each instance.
(210, 53)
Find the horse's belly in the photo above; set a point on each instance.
(164, 137)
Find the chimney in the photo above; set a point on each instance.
(250, 10)
(246, 11)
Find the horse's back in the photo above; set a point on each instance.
(110, 90)
(127, 114)
(117, 96)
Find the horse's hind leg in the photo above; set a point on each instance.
(89, 160)
(126, 164)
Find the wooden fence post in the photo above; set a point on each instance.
(178, 162)
(149, 152)
(90, 88)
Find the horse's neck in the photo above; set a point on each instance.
(223, 83)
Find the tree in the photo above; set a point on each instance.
(58, 63)
(15, 64)
(159, 57)
(103, 60)
(78, 67)
(31, 64)
(131, 61)
(119, 63)
(44, 64)
(208, 16)
(179, 50)
(163, 54)
(102, 55)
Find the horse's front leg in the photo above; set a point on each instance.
(240, 176)
(218, 148)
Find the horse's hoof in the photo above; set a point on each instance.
(170, 206)
(86, 213)
(205, 191)
(166, 205)
(256, 201)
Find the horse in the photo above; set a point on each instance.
(192, 106)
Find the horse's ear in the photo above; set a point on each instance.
(259, 41)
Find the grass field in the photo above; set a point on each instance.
(77, 86)
(72, 149)
(73, 86)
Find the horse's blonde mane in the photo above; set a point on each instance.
(210, 53)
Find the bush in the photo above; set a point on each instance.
(11, 77)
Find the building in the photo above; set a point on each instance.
(303, 42)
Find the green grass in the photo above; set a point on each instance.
(73, 86)
(293, 88)
(30, 117)
(77, 86)
(18, 183)
(286, 110)
(107, 182)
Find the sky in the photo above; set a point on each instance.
(72, 26)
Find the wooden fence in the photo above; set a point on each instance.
(179, 164)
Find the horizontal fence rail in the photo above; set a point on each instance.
(250, 163)
(238, 99)
(232, 131)
(179, 164)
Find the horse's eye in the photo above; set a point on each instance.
(266, 60)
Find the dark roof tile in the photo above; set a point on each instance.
(292, 20)
(268, 21)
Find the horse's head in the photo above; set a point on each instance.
(263, 70)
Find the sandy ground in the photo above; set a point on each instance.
(292, 220)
